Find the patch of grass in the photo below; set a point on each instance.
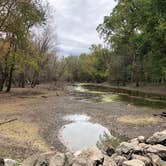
(110, 140)
(139, 120)
(80, 89)
(109, 98)
(21, 133)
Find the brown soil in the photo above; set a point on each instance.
(39, 113)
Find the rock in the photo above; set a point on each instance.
(143, 145)
(80, 162)
(126, 148)
(134, 141)
(158, 138)
(144, 159)
(119, 159)
(160, 150)
(134, 162)
(133, 153)
(2, 162)
(141, 139)
(58, 160)
(156, 160)
(109, 162)
(91, 156)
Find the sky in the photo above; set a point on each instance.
(75, 23)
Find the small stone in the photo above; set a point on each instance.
(124, 147)
(119, 159)
(134, 141)
(143, 145)
(91, 156)
(141, 139)
(134, 162)
(158, 137)
(109, 162)
(156, 160)
(144, 159)
(160, 150)
(59, 160)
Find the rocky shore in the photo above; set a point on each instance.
(136, 152)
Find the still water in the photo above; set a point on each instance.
(81, 133)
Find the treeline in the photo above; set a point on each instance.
(135, 33)
(25, 58)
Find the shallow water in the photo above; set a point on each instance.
(81, 133)
(105, 95)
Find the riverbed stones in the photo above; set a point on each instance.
(108, 162)
(134, 162)
(92, 156)
(156, 160)
(160, 150)
(144, 159)
(158, 137)
(141, 139)
(119, 159)
(136, 152)
(134, 141)
(59, 159)
(124, 148)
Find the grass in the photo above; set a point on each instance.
(138, 120)
(23, 133)
(109, 98)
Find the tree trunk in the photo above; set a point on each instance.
(9, 84)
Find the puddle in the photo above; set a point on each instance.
(76, 117)
(81, 133)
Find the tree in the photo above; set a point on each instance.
(135, 31)
(16, 19)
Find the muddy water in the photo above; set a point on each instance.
(81, 133)
(102, 94)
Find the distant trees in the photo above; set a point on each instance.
(90, 67)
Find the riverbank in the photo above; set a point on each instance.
(39, 113)
(148, 92)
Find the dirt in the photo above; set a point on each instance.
(40, 111)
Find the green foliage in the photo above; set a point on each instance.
(90, 67)
(17, 54)
(136, 32)
(110, 141)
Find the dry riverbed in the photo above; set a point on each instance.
(30, 119)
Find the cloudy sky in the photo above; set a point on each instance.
(76, 22)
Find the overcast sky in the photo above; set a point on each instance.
(76, 22)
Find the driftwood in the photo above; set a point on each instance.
(8, 121)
